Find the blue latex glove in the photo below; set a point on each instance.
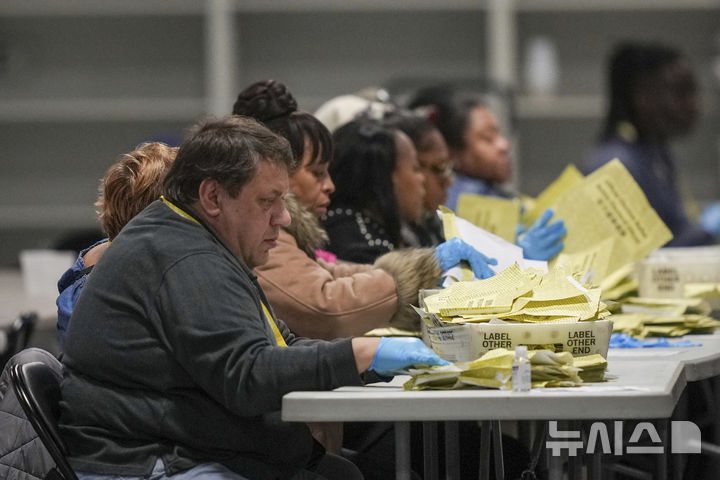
(623, 340)
(453, 251)
(542, 241)
(710, 219)
(395, 354)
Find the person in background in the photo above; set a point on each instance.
(128, 186)
(479, 152)
(434, 159)
(340, 110)
(379, 190)
(653, 99)
(481, 159)
(175, 365)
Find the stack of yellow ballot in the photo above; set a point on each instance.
(610, 224)
(702, 290)
(494, 370)
(515, 295)
(663, 317)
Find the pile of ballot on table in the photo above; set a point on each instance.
(494, 370)
(610, 228)
(551, 311)
(642, 317)
(515, 295)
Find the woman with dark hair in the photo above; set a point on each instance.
(379, 190)
(480, 157)
(434, 159)
(479, 152)
(653, 99)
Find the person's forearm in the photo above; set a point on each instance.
(364, 350)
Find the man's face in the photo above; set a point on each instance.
(250, 223)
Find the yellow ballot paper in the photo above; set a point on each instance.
(505, 253)
(494, 294)
(702, 290)
(494, 370)
(608, 203)
(665, 317)
(569, 177)
(496, 215)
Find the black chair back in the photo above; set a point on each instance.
(37, 386)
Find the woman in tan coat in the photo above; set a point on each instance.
(315, 297)
(321, 298)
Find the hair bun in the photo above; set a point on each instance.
(264, 101)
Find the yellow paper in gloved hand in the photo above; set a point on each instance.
(495, 366)
(495, 215)
(569, 177)
(609, 203)
(450, 230)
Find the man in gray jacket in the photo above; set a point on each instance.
(174, 362)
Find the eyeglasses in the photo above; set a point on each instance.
(445, 170)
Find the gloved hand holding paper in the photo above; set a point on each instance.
(395, 354)
(455, 250)
(542, 241)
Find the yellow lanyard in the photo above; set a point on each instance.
(178, 210)
(271, 321)
(274, 327)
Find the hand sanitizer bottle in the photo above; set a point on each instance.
(521, 370)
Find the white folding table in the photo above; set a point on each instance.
(638, 389)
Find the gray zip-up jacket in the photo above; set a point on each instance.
(169, 355)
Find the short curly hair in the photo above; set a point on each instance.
(131, 184)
